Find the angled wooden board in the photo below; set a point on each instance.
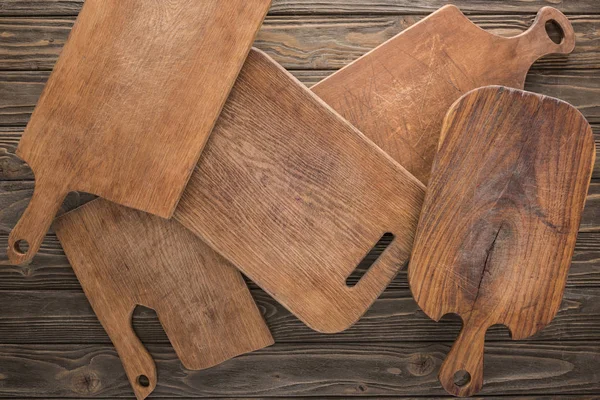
(124, 257)
(398, 94)
(295, 197)
(499, 223)
(130, 104)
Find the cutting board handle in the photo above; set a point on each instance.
(466, 355)
(27, 236)
(537, 40)
(137, 362)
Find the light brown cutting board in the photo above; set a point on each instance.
(124, 257)
(500, 219)
(295, 197)
(398, 94)
(128, 108)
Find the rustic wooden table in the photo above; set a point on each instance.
(51, 344)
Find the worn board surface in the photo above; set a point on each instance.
(124, 258)
(498, 227)
(295, 197)
(135, 93)
(53, 345)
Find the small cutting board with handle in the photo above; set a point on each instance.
(295, 197)
(398, 94)
(128, 108)
(124, 257)
(500, 219)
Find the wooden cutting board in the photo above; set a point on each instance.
(500, 219)
(295, 197)
(398, 94)
(124, 257)
(129, 106)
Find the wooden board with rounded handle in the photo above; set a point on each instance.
(500, 219)
(130, 104)
(398, 93)
(295, 197)
(124, 258)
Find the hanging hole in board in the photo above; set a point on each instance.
(370, 259)
(21, 247)
(462, 378)
(555, 32)
(143, 381)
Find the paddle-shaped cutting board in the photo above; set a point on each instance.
(500, 219)
(398, 94)
(295, 197)
(129, 106)
(124, 257)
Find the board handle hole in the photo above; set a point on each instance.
(21, 247)
(462, 378)
(370, 259)
(143, 381)
(555, 31)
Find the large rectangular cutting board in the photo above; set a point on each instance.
(130, 104)
(295, 197)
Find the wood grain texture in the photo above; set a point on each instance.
(72, 7)
(50, 270)
(295, 197)
(292, 370)
(136, 92)
(398, 94)
(498, 227)
(20, 90)
(304, 42)
(66, 317)
(124, 258)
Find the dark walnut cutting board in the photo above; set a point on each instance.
(124, 258)
(295, 197)
(398, 94)
(128, 108)
(500, 219)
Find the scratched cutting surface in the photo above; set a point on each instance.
(52, 345)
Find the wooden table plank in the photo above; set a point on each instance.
(15, 195)
(20, 90)
(301, 370)
(72, 7)
(65, 317)
(298, 42)
(50, 269)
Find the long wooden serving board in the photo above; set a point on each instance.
(398, 94)
(128, 108)
(500, 219)
(294, 196)
(124, 258)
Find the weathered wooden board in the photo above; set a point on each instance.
(50, 270)
(498, 226)
(15, 195)
(398, 93)
(291, 370)
(65, 317)
(72, 7)
(115, 108)
(309, 205)
(21, 89)
(124, 257)
(12, 168)
(303, 42)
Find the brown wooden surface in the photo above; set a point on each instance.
(398, 94)
(498, 226)
(135, 93)
(124, 258)
(294, 209)
(45, 316)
